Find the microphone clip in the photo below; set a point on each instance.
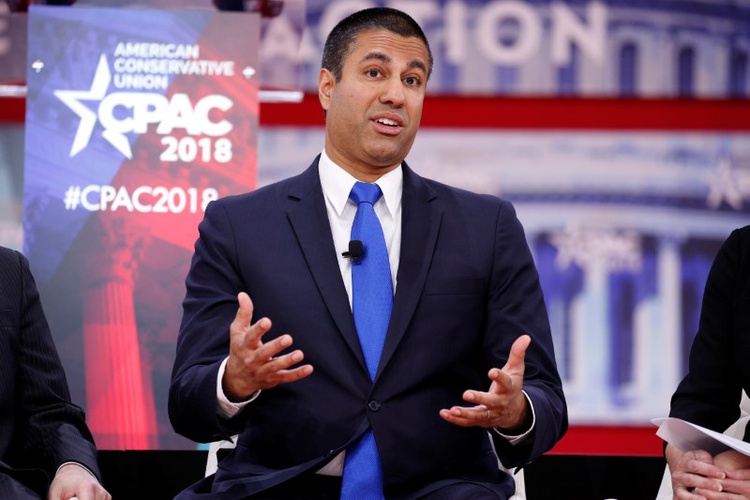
(356, 249)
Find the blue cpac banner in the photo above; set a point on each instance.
(136, 119)
(543, 47)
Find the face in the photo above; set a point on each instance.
(373, 111)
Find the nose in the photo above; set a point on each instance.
(393, 92)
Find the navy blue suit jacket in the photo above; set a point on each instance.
(467, 288)
(40, 428)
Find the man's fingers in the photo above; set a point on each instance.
(279, 369)
(502, 382)
(265, 352)
(517, 355)
(254, 365)
(701, 462)
(273, 371)
(241, 328)
(296, 374)
(286, 361)
(267, 359)
(245, 311)
(467, 416)
(740, 474)
(503, 379)
(264, 367)
(244, 317)
(700, 455)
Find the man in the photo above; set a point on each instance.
(467, 363)
(711, 392)
(42, 434)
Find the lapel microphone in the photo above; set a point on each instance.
(356, 249)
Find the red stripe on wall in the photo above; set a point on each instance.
(609, 440)
(547, 113)
(520, 113)
(12, 109)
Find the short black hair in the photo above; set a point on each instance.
(342, 37)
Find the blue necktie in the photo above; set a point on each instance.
(372, 300)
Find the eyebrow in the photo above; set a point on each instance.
(379, 56)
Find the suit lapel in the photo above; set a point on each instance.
(309, 219)
(420, 225)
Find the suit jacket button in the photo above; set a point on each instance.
(373, 405)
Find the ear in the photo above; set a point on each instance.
(326, 82)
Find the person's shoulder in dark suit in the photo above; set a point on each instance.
(45, 444)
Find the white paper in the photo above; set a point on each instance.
(687, 437)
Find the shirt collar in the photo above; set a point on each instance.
(337, 183)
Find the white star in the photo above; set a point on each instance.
(569, 244)
(723, 186)
(72, 99)
(249, 72)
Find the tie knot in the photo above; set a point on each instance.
(363, 192)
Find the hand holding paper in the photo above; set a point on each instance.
(687, 437)
(707, 462)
